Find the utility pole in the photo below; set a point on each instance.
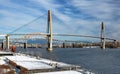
(49, 31)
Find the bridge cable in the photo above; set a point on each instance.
(26, 24)
(61, 21)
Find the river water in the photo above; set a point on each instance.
(94, 59)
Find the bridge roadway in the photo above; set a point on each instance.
(47, 34)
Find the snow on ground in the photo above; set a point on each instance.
(33, 63)
(2, 52)
(20, 58)
(61, 72)
(30, 65)
(2, 61)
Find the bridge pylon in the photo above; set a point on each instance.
(7, 42)
(102, 35)
(49, 31)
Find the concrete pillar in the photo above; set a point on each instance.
(64, 46)
(7, 42)
(73, 45)
(25, 45)
(2, 45)
(102, 36)
(115, 44)
(49, 31)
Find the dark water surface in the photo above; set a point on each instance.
(97, 60)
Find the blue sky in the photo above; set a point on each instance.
(69, 16)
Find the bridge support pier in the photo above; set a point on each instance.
(103, 43)
(64, 46)
(25, 45)
(102, 36)
(7, 42)
(115, 44)
(49, 31)
(2, 45)
(73, 45)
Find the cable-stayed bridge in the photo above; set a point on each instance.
(49, 35)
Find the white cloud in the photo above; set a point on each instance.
(20, 8)
(100, 10)
(16, 15)
(105, 11)
(50, 5)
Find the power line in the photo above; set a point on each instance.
(26, 24)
